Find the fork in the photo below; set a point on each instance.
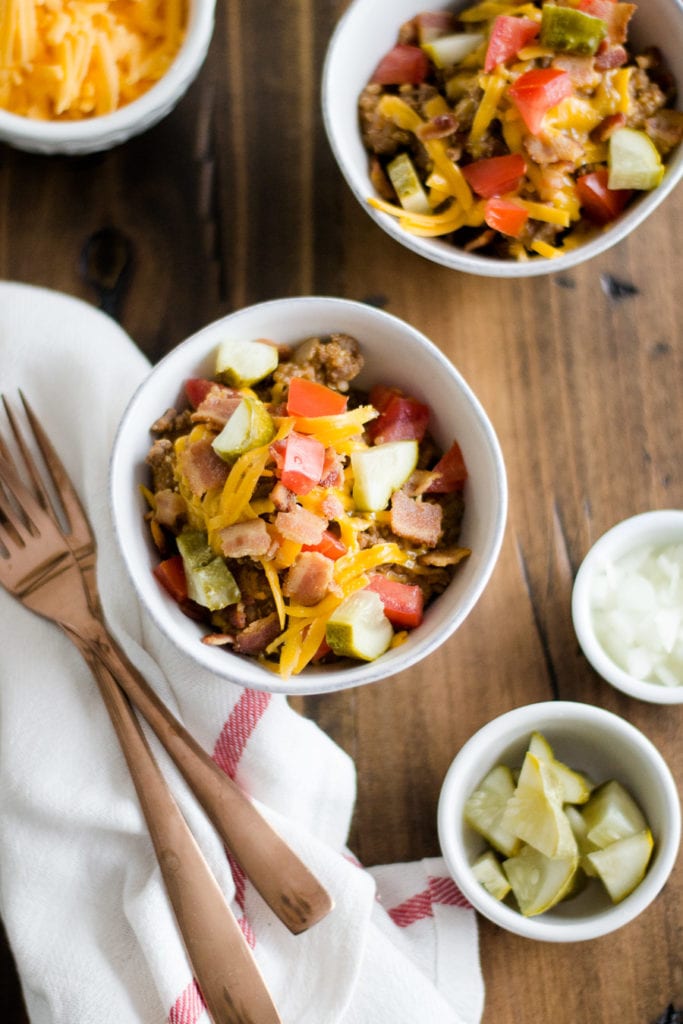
(277, 873)
(39, 568)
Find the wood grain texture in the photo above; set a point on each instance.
(235, 198)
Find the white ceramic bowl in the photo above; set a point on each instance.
(660, 527)
(98, 133)
(593, 741)
(394, 353)
(369, 29)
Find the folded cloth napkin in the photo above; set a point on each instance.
(80, 891)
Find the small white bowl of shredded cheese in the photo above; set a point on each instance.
(627, 606)
(80, 78)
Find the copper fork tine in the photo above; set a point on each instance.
(38, 567)
(277, 873)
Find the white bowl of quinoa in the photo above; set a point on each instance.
(408, 565)
(79, 78)
(507, 140)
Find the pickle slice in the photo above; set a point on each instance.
(576, 788)
(407, 185)
(358, 628)
(634, 161)
(486, 806)
(621, 866)
(490, 875)
(539, 882)
(534, 812)
(612, 814)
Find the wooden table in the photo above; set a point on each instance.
(235, 198)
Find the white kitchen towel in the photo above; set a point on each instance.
(80, 892)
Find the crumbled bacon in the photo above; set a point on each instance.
(301, 525)
(217, 407)
(218, 639)
(439, 127)
(333, 469)
(332, 506)
(255, 637)
(308, 579)
(558, 148)
(245, 539)
(419, 521)
(607, 126)
(444, 556)
(609, 57)
(580, 68)
(169, 509)
(282, 498)
(202, 468)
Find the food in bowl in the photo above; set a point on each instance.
(302, 519)
(516, 131)
(68, 60)
(550, 830)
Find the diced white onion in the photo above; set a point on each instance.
(637, 607)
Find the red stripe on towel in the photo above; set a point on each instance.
(242, 721)
(439, 890)
(188, 1007)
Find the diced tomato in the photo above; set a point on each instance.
(308, 398)
(504, 216)
(452, 472)
(600, 203)
(196, 389)
(403, 602)
(381, 395)
(330, 546)
(537, 91)
(322, 650)
(402, 418)
(171, 574)
(495, 175)
(403, 65)
(303, 462)
(508, 36)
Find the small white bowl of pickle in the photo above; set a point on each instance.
(559, 821)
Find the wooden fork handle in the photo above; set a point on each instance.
(277, 873)
(228, 976)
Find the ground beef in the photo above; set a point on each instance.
(172, 423)
(333, 360)
(161, 461)
(646, 98)
(380, 135)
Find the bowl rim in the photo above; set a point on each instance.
(253, 675)
(16, 129)
(451, 256)
(513, 726)
(658, 525)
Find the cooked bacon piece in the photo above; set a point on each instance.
(609, 56)
(245, 539)
(444, 556)
(301, 525)
(332, 506)
(559, 148)
(418, 482)
(580, 68)
(417, 520)
(218, 639)
(202, 467)
(607, 127)
(617, 17)
(217, 407)
(333, 469)
(169, 509)
(309, 578)
(283, 499)
(439, 127)
(255, 637)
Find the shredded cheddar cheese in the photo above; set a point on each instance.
(74, 59)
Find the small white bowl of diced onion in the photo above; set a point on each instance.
(559, 821)
(83, 78)
(627, 606)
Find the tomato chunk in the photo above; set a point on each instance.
(508, 36)
(403, 602)
(171, 574)
(404, 64)
(196, 389)
(600, 203)
(308, 398)
(506, 217)
(536, 92)
(330, 546)
(302, 465)
(452, 472)
(401, 418)
(495, 175)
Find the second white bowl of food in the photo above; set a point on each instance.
(109, 73)
(370, 29)
(633, 824)
(394, 354)
(627, 606)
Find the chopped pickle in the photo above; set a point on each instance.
(633, 160)
(445, 51)
(381, 470)
(407, 185)
(242, 363)
(209, 581)
(485, 808)
(622, 865)
(358, 628)
(580, 830)
(575, 787)
(490, 875)
(612, 814)
(571, 31)
(539, 882)
(534, 812)
(250, 426)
